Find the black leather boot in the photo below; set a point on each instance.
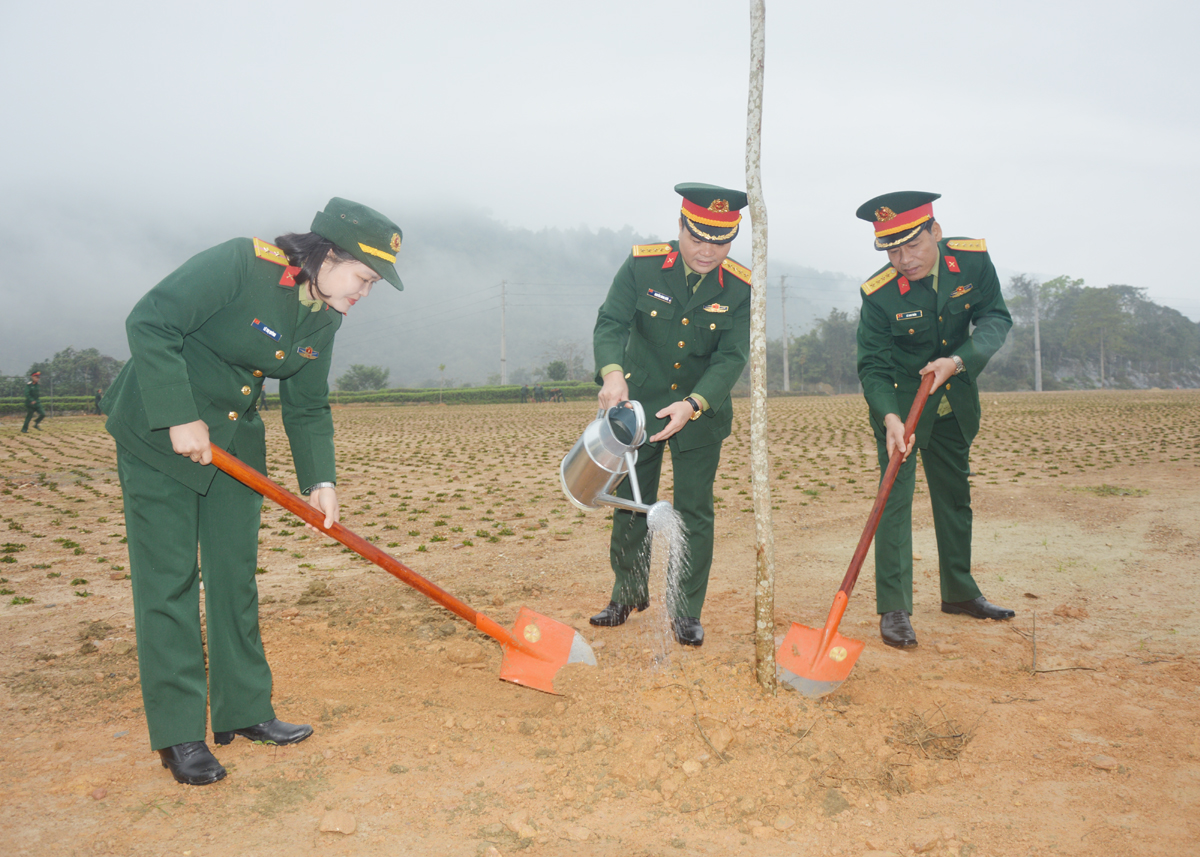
(192, 763)
(270, 732)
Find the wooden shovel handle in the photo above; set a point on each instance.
(885, 487)
(297, 506)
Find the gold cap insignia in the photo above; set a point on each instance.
(884, 214)
(395, 242)
(719, 205)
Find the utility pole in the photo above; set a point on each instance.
(787, 384)
(1037, 341)
(503, 359)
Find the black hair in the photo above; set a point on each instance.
(308, 251)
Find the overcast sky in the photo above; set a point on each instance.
(1065, 133)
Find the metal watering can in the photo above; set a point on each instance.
(602, 456)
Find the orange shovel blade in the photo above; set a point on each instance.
(543, 647)
(808, 670)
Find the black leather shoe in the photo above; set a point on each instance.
(271, 732)
(980, 608)
(192, 763)
(688, 631)
(896, 630)
(615, 614)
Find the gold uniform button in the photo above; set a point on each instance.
(947, 386)
(966, 306)
(653, 313)
(685, 321)
(245, 391)
(257, 373)
(677, 365)
(897, 386)
(911, 331)
(279, 355)
(674, 386)
(233, 415)
(627, 374)
(939, 318)
(681, 343)
(943, 342)
(712, 327)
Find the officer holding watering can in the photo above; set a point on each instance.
(674, 335)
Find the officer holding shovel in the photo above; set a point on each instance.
(202, 342)
(674, 334)
(917, 317)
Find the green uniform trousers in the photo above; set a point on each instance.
(945, 459)
(695, 470)
(29, 412)
(164, 521)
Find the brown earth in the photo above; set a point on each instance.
(1086, 508)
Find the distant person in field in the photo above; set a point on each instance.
(33, 402)
(99, 396)
(201, 343)
(917, 317)
(674, 335)
(524, 393)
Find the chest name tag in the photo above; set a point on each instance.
(307, 352)
(960, 291)
(715, 308)
(659, 296)
(262, 328)
(905, 316)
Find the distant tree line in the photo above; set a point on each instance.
(68, 373)
(1111, 337)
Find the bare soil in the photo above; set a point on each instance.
(1071, 730)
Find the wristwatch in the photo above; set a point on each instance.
(695, 407)
(317, 485)
(959, 368)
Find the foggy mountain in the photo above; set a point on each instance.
(453, 265)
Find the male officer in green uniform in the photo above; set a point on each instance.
(917, 314)
(674, 334)
(33, 404)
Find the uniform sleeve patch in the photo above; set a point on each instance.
(640, 250)
(968, 245)
(270, 252)
(739, 271)
(878, 281)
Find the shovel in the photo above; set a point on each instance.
(534, 650)
(813, 662)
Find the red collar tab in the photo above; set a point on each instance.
(289, 275)
(721, 277)
(669, 262)
(952, 264)
(903, 283)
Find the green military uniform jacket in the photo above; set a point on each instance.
(202, 341)
(32, 395)
(904, 325)
(672, 343)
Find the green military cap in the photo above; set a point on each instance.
(898, 217)
(364, 233)
(711, 213)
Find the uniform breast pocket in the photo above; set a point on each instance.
(958, 313)
(653, 319)
(708, 327)
(913, 334)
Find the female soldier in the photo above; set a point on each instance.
(202, 341)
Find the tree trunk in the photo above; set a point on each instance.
(764, 584)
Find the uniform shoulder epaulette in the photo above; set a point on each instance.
(270, 252)
(739, 271)
(878, 281)
(640, 250)
(969, 245)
